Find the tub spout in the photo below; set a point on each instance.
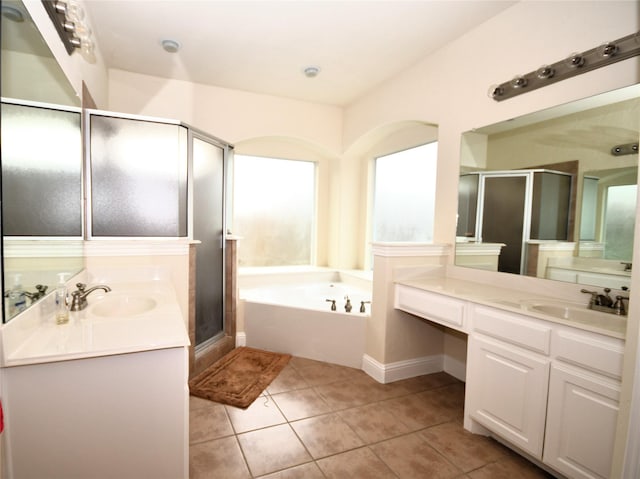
(347, 306)
(333, 304)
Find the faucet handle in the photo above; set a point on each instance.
(81, 287)
(594, 296)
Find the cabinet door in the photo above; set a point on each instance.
(581, 423)
(507, 392)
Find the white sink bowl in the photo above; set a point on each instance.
(578, 314)
(122, 305)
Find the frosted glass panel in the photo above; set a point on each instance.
(274, 210)
(404, 195)
(41, 172)
(550, 206)
(138, 178)
(503, 218)
(208, 228)
(619, 222)
(589, 209)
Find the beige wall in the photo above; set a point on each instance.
(448, 89)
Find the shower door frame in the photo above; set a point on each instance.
(193, 134)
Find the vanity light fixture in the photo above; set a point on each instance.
(574, 64)
(626, 149)
(69, 19)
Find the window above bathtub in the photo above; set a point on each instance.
(404, 193)
(274, 210)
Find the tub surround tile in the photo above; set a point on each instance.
(263, 412)
(326, 435)
(216, 459)
(358, 463)
(272, 449)
(301, 404)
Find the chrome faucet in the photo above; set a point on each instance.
(79, 297)
(362, 308)
(605, 303)
(333, 304)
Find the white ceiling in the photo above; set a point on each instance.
(262, 46)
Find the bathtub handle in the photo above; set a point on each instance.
(362, 308)
(333, 304)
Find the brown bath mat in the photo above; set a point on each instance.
(239, 377)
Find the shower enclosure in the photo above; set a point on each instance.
(154, 178)
(513, 208)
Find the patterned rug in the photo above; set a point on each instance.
(239, 377)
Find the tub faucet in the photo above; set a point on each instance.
(362, 308)
(79, 297)
(347, 306)
(333, 304)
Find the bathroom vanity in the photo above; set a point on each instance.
(102, 396)
(542, 374)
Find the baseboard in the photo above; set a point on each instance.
(388, 373)
(241, 339)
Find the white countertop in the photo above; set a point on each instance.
(38, 339)
(519, 301)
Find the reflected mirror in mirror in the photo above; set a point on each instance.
(553, 194)
(41, 165)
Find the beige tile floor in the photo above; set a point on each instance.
(320, 420)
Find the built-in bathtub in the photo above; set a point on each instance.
(289, 312)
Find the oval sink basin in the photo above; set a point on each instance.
(123, 305)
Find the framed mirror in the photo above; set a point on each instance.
(41, 166)
(553, 194)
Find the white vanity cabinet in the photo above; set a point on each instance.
(584, 391)
(435, 307)
(507, 376)
(121, 416)
(548, 389)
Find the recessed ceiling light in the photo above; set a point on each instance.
(311, 71)
(12, 14)
(170, 46)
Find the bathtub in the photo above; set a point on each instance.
(288, 312)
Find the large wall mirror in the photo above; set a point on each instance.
(42, 235)
(553, 194)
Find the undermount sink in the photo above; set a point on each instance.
(122, 305)
(575, 313)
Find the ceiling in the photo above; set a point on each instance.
(263, 46)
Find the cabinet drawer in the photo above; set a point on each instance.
(513, 328)
(432, 306)
(598, 353)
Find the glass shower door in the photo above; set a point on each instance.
(503, 218)
(208, 228)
